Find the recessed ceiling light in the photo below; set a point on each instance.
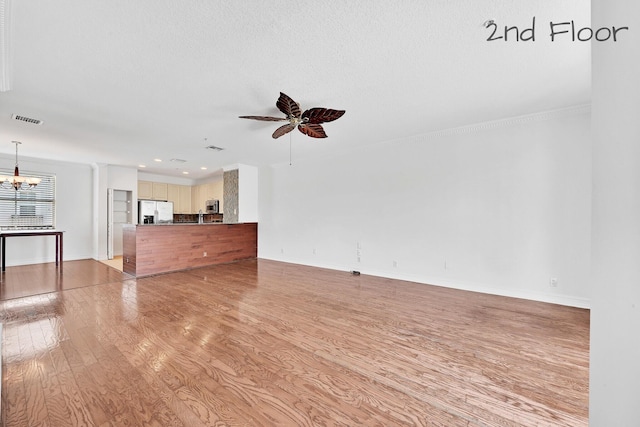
(185, 172)
(142, 166)
(204, 168)
(157, 160)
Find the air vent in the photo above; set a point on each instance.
(178, 160)
(214, 148)
(26, 119)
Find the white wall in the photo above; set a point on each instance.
(500, 208)
(145, 176)
(74, 195)
(615, 316)
(247, 193)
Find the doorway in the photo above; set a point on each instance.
(119, 212)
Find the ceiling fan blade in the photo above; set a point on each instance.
(322, 115)
(283, 130)
(265, 118)
(313, 130)
(288, 106)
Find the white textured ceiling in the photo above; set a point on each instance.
(123, 82)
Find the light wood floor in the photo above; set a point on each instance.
(116, 262)
(263, 343)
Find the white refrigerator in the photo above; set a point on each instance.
(152, 212)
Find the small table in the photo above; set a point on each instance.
(28, 233)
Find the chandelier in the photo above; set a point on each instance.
(16, 181)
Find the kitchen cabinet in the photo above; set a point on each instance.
(201, 193)
(145, 190)
(180, 195)
(185, 199)
(148, 190)
(160, 191)
(173, 195)
(197, 203)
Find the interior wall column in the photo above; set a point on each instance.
(615, 309)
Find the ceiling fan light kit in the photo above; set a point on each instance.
(308, 122)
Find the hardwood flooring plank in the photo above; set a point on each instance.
(14, 402)
(37, 412)
(170, 400)
(78, 412)
(56, 405)
(114, 392)
(149, 407)
(91, 396)
(32, 356)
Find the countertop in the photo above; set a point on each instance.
(182, 223)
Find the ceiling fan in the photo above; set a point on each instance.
(309, 122)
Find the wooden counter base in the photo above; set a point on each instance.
(153, 249)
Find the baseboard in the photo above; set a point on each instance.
(567, 300)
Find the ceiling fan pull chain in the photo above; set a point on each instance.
(290, 149)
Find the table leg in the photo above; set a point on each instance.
(3, 251)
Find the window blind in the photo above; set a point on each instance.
(28, 209)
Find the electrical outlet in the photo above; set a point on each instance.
(553, 282)
(395, 264)
(204, 254)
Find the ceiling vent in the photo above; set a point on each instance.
(178, 160)
(26, 119)
(214, 148)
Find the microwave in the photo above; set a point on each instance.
(212, 206)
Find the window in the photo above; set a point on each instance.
(28, 209)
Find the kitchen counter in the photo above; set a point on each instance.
(180, 223)
(161, 248)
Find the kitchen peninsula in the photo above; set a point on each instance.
(154, 249)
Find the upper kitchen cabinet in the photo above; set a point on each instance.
(180, 195)
(160, 191)
(148, 190)
(197, 201)
(145, 190)
(173, 195)
(185, 199)
(201, 193)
